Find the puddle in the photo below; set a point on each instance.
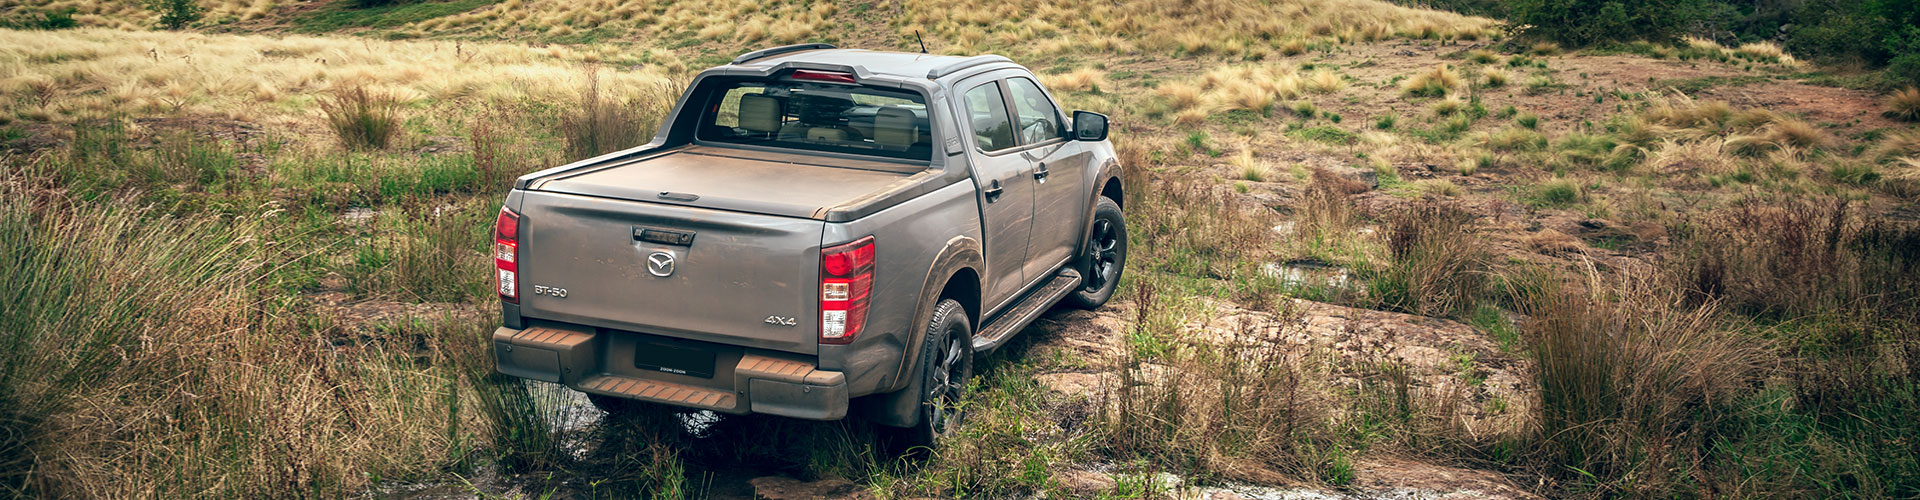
(1309, 273)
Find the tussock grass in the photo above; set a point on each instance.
(1436, 265)
(603, 123)
(1632, 380)
(1904, 104)
(87, 74)
(1078, 80)
(1494, 77)
(1207, 27)
(1246, 408)
(1250, 168)
(142, 361)
(361, 118)
(1325, 81)
(1436, 82)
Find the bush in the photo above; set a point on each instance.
(175, 14)
(361, 118)
(54, 19)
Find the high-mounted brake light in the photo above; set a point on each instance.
(506, 255)
(846, 281)
(823, 76)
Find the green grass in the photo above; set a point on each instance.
(1323, 133)
(340, 16)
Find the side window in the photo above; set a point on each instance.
(1039, 120)
(992, 130)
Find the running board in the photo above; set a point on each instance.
(1015, 318)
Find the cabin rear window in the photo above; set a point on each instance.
(820, 117)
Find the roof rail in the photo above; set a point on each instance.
(780, 50)
(949, 69)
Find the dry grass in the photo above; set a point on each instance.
(1083, 79)
(1439, 81)
(90, 73)
(1632, 378)
(1436, 265)
(1255, 88)
(605, 123)
(1904, 104)
(134, 16)
(360, 118)
(1325, 81)
(143, 362)
(1494, 77)
(1205, 27)
(1248, 407)
(738, 21)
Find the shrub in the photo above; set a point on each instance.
(362, 118)
(1385, 122)
(51, 19)
(1904, 104)
(175, 14)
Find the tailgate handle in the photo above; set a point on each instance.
(682, 197)
(663, 236)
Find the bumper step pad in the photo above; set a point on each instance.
(662, 392)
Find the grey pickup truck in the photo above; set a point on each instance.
(814, 232)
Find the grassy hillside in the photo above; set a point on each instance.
(249, 259)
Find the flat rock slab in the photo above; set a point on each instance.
(786, 488)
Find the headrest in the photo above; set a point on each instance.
(895, 127)
(759, 113)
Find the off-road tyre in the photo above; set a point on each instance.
(1105, 256)
(946, 362)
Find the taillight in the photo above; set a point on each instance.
(506, 254)
(823, 76)
(846, 280)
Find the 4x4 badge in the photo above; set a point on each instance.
(660, 264)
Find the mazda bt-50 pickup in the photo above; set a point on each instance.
(813, 232)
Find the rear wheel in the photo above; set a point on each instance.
(946, 364)
(1105, 256)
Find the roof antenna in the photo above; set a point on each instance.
(923, 43)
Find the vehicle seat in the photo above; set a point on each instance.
(759, 113)
(896, 128)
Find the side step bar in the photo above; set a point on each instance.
(996, 332)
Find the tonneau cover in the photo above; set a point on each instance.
(743, 180)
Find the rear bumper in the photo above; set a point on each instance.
(744, 380)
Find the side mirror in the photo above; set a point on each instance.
(1089, 126)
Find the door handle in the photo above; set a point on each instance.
(994, 191)
(1041, 173)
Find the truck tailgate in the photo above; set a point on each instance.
(783, 184)
(743, 279)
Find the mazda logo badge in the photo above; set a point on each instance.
(660, 264)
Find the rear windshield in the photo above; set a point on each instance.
(820, 117)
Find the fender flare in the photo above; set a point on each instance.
(1109, 171)
(960, 253)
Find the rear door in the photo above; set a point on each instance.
(1059, 172)
(1004, 179)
